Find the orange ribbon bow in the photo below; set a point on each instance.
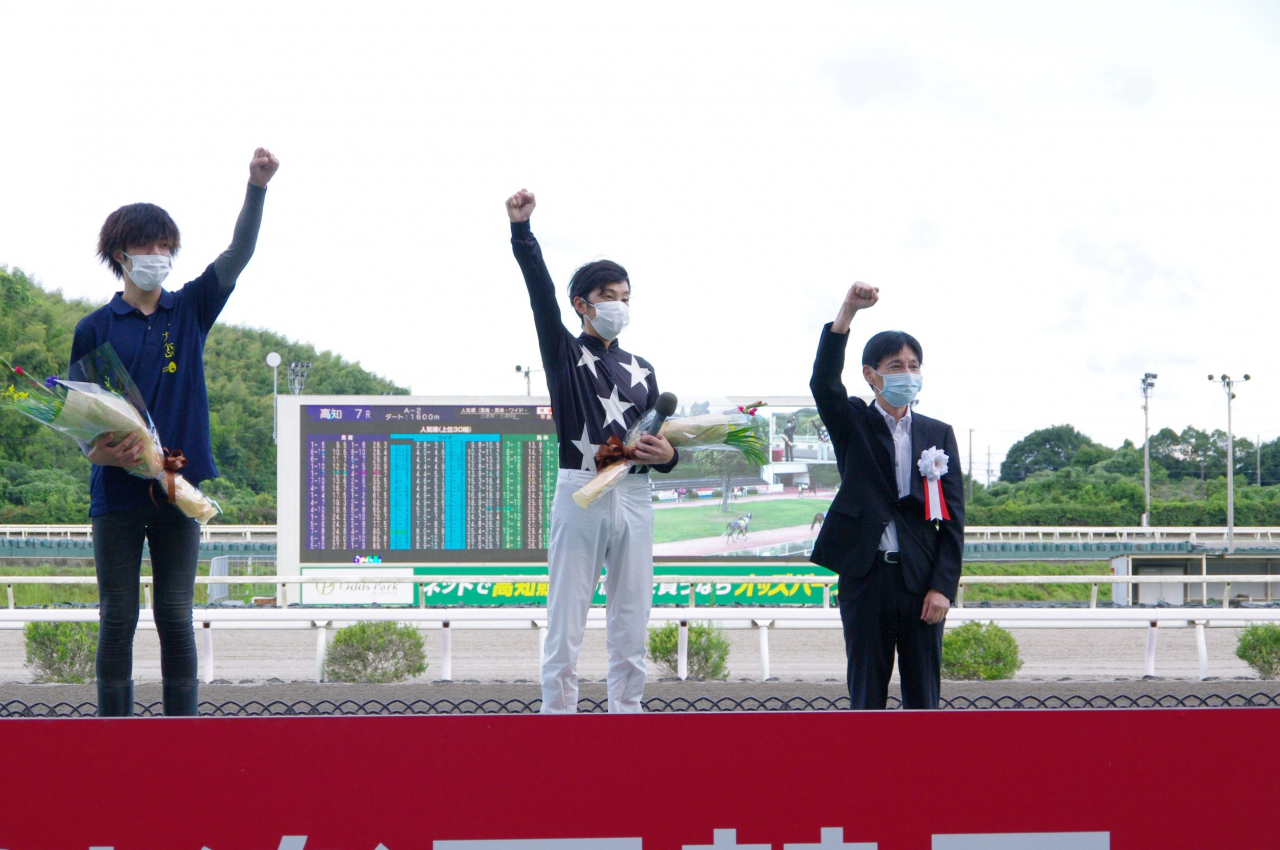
(613, 452)
(173, 461)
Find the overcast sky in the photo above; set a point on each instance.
(1054, 198)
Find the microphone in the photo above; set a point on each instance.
(665, 407)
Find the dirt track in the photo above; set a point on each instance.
(810, 656)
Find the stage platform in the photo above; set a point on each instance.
(894, 780)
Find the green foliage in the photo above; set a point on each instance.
(979, 651)
(62, 652)
(43, 476)
(1050, 449)
(708, 650)
(1258, 645)
(1034, 592)
(378, 652)
(824, 474)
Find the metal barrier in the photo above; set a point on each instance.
(759, 618)
(281, 708)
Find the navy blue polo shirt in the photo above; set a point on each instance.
(164, 354)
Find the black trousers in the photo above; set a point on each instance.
(880, 615)
(117, 554)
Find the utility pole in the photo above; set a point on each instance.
(969, 496)
(988, 467)
(528, 383)
(1229, 386)
(1148, 383)
(1257, 448)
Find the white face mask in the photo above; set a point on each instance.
(612, 317)
(149, 270)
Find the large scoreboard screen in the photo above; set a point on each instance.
(418, 484)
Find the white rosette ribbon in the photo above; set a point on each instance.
(933, 465)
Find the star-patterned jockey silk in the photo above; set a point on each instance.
(596, 392)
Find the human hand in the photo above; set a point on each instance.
(520, 205)
(263, 167)
(936, 606)
(651, 450)
(861, 296)
(125, 454)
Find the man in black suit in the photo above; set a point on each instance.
(898, 569)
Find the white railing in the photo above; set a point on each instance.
(208, 533)
(973, 534)
(1120, 534)
(760, 618)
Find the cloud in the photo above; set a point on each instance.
(1128, 261)
(868, 77)
(1134, 89)
(922, 235)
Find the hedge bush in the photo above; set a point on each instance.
(1249, 512)
(379, 652)
(62, 652)
(979, 651)
(1258, 645)
(708, 650)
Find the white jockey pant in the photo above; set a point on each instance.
(617, 533)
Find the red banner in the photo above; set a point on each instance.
(954, 780)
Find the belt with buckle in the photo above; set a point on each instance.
(888, 557)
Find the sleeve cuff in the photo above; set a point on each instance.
(521, 228)
(669, 465)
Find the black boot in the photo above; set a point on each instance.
(115, 699)
(181, 697)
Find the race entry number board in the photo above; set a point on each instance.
(397, 484)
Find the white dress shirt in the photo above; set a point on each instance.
(901, 431)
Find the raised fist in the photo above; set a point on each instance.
(861, 296)
(520, 205)
(263, 167)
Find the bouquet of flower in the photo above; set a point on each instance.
(704, 426)
(107, 402)
(729, 428)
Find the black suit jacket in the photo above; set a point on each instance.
(868, 496)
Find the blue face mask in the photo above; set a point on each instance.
(900, 389)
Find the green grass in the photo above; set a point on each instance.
(672, 524)
(1035, 592)
(54, 594)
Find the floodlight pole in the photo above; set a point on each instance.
(1228, 385)
(273, 360)
(1148, 383)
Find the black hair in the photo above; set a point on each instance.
(135, 224)
(888, 343)
(593, 276)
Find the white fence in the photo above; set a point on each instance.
(760, 618)
(1210, 536)
(208, 533)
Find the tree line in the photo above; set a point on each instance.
(1059, 476)
(43, 476)
(1054, 476)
